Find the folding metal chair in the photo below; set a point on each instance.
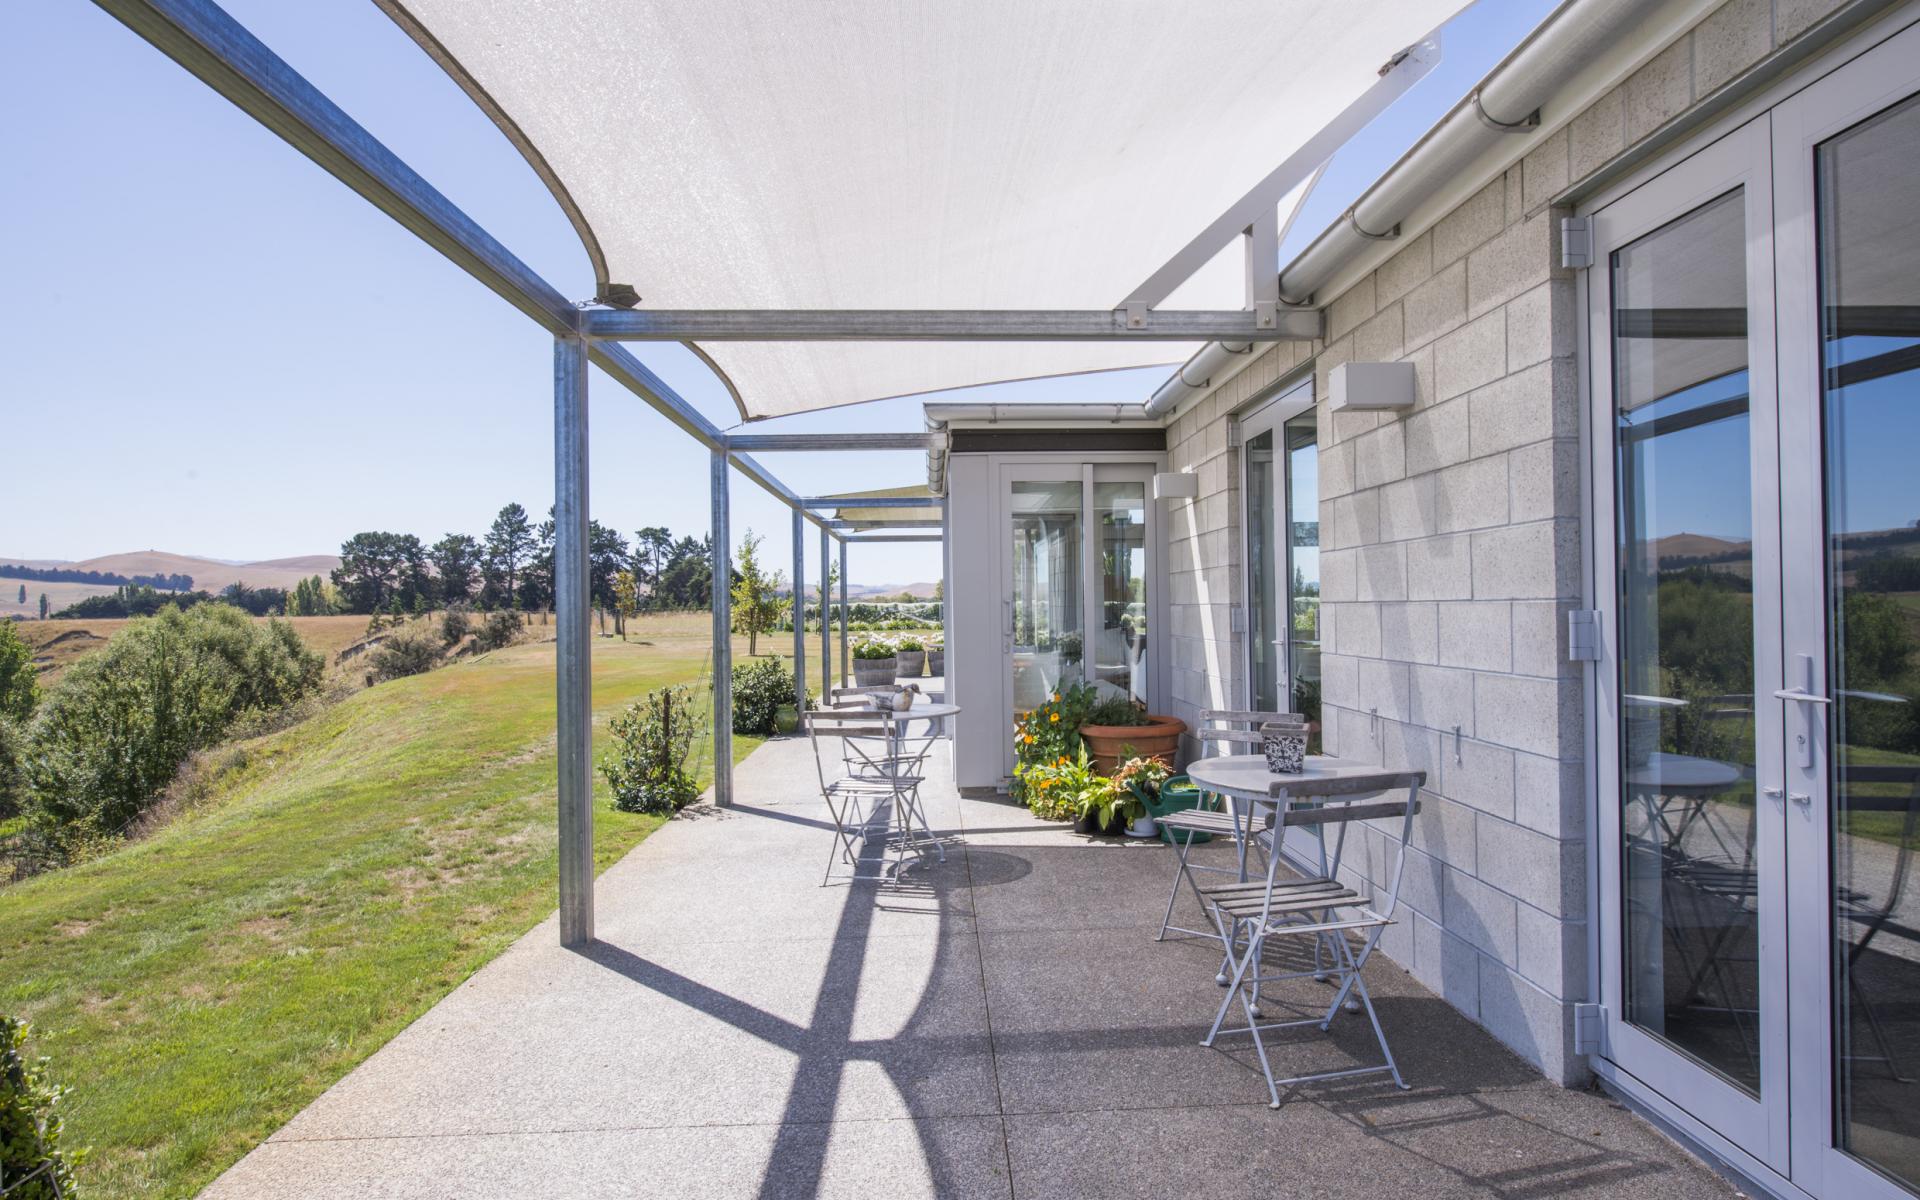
(1251, 915)
(1215, 815)
(873, 774)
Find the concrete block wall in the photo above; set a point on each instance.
(1450, 553)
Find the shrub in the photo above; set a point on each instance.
(409, 652)
(501, 629)
(19, 691)
(647, 766)
(454, 626)
(1051, 732)
(13, 758)
(1067, 788)
(32, 1165)
(123, 720)
(761, 687)
(1116, 710)
(910, 645)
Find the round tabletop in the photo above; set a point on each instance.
(1664, 773)
(1247, 776)
(927, 710)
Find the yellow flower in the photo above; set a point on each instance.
(1055, 718)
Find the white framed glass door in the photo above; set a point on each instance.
(1280, 474)
(1684, 431)
(1846, 157)
(1077, 575)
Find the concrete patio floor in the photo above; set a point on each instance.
(1000, 1025)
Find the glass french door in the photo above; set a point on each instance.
(1281, 481)
(1755, 339)
(1076, 552)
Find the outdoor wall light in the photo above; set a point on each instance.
(1176, 485)
(1370, 387)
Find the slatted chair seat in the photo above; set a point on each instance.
(1200, 820)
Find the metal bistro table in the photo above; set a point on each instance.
(936, 714)
(1244, 781)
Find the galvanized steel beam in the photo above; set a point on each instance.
(934, 325)
(826, 608)
(799, 613)
(845, 672)
(873, 502)
(772, 442)
(573, 650)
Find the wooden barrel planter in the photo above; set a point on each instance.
(912, 663)
(1158, 738)
(874, 672)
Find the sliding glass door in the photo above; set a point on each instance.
(1281, 485)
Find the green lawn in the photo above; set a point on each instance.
(197, 989)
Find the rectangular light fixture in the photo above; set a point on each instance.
(1370, 387)
(1176, 485)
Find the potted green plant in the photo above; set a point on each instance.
(1142, 779)
(1048, 735)
(1069, 788)
(873, 664)
(1119, 724)
(911, 656)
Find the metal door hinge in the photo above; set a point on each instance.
(1589, 1029)
(1576, 243)
(1583, 635)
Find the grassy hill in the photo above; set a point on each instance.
(58, 644)
(198, 988)
(209, 574)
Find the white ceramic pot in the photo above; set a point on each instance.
(1145, 827)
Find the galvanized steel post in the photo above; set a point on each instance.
(826, 621)
(799, 613)
(845, 672)
(722, 636)
(573, 670)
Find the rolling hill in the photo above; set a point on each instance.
(208, 573)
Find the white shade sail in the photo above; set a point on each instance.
(995, 155)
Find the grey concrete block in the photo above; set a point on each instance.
(1383, 689)
(1381, 572)
(1355, 629)
(1732, 38)
(1470, 357)
(1352, 307)
(1550, 795)
(1382, 337)
(1409, 633)
(1443, 830)
(1448, 965)
(1659, 91)
(1553, 953)
(1540, 639)
(1405, 271)
(1351, 520)
(1535, 1025)
(1526, 562)
(1539, 716)
(1406, 509)
(1545, 480)
(1338, 579)
(1543, 172)
(1340, 680)
(1440, 568)
(1336, 470)
(1420, 884)
(1541, 324)
(1380, 456)
(1484, 916)
(1436, 437)
(1440, 698)
(1478, 219)
(1525, 255)
(1473, 495)
(1482, 778)
(1436, 306)
(1794, 17)
(1476, 634)
(1548, 873)
(1597, 135)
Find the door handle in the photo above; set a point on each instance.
(1804, 695)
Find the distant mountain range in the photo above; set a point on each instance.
(209, 574)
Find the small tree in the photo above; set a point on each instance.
(43, 606)
(646, 768)
(756, 601)
(23, 593)
(626, 600)
(19, 690)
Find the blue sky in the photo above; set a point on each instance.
(285, 366)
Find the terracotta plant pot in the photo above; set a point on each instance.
(1158, 738)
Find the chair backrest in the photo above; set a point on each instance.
(1218, 725)
(842, 696)
(1317, 816)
